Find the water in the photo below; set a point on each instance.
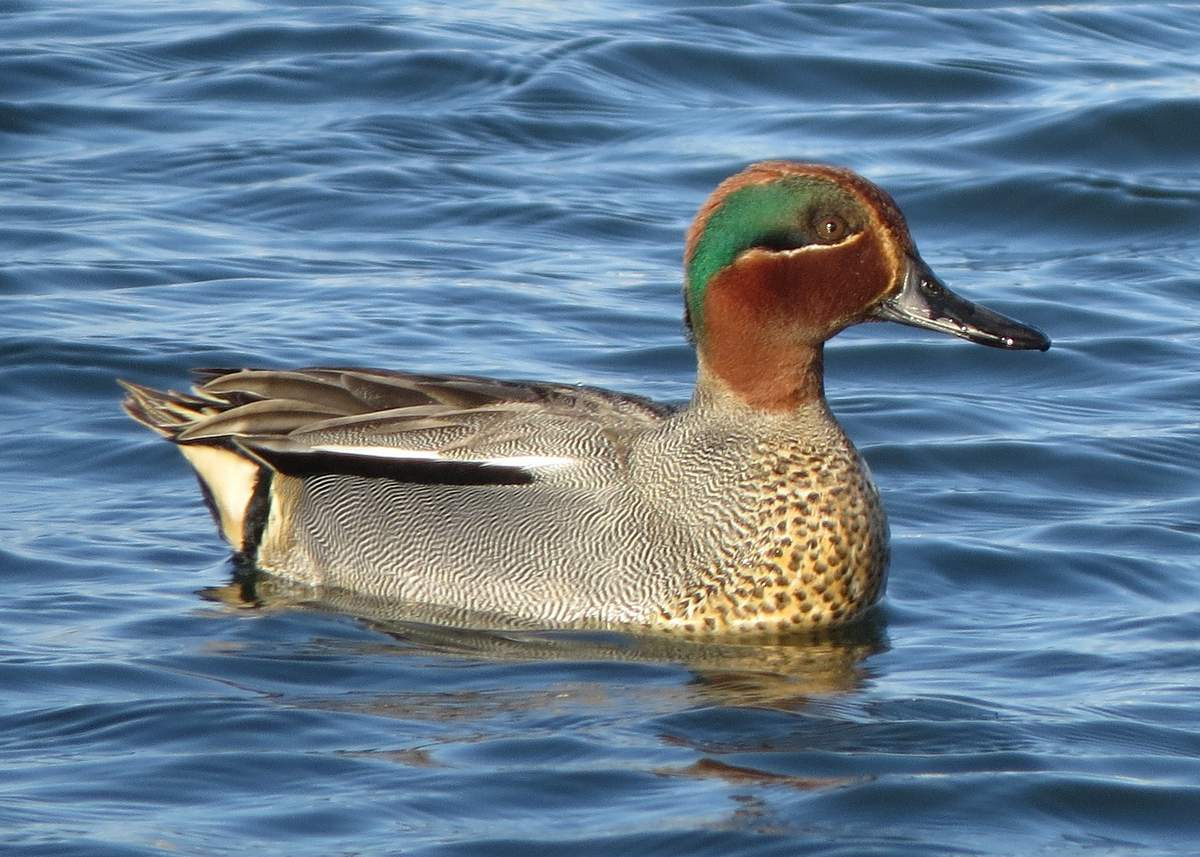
(503, 189)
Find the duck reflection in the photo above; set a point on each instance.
(773, 671)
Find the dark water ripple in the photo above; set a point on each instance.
(503, 189)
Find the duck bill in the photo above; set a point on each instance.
(924, 301)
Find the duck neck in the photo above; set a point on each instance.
(763, 377)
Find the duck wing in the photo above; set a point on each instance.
(450, 429)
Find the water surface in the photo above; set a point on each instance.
(503, 189)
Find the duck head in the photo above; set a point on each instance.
(783, 255)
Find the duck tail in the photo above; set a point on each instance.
(231, 481)
(165, 412)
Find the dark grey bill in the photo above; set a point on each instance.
(924, 301)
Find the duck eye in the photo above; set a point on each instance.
(830, 228)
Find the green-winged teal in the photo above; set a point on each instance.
(747, 510)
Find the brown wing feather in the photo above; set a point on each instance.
(464, 417)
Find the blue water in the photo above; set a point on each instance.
(503, 189)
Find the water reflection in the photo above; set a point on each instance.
(770, 671)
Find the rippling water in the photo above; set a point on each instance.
(503, 189)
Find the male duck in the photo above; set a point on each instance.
(746, 510)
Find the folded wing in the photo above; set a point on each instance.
(419, 428)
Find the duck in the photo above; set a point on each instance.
(745, 510)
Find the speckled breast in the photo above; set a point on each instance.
(809, 548)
